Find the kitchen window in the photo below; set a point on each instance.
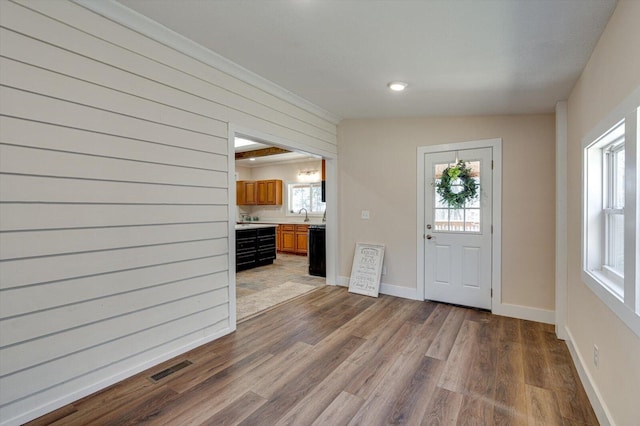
(610, 210)
(305, 196)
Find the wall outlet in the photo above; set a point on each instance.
(596, 356)
(365, 214)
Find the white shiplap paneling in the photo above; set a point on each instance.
(25, 300)
(18, 217)
(32, 271)
(114, 245)
(28, 133)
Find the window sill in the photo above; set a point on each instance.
(596, 281)
(610, 281)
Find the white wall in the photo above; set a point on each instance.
(377, 172)
(612, 73)
(115, 208)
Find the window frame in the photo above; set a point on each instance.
(289, 211)
(596, 210)
(612, 279)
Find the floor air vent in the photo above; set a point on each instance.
(164, 373)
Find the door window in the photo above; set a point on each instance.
(465, 219)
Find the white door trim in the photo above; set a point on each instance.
(331, 164)
(496, 274)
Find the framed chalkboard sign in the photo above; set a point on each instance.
(367, 269)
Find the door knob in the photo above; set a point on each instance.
(429, 226)
(429, 236)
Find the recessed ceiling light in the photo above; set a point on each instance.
(397, 86)
(252, 159)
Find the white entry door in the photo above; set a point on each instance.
(458, 240)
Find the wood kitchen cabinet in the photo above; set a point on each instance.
(301, 239)
(246, 192)
(259, 192)
(288, 238)
(269, 192)
(293, 239)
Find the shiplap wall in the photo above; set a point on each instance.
(114, 249)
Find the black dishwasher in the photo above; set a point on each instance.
(317, 251)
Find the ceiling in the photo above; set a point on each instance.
(459, 57)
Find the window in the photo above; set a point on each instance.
(605, 249)
(305, 196)
(614, 208)
(610, 225)
(465, 219)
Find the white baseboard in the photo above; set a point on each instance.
(388, 289)
(108, 381)
(599, 407)
(524, 312)
(504, 309)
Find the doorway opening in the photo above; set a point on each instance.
(278, 189)
(459, 244)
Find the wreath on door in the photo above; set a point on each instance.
(457, 186)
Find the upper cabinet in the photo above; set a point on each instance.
(270, 192)
(260, 192)
(246, 192)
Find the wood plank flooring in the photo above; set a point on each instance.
(335, 358)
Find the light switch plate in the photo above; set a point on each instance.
(365, 214)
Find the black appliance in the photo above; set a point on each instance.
(255, 247)
(317, 250)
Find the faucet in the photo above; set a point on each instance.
(324, 216)
(306, 216)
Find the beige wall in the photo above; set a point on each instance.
(377, 172)
(243, 173)
(612, 73)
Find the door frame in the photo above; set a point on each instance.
(496, 237)
(331, 163)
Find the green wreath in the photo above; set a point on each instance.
(469, 187)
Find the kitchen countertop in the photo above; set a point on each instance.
(254, 225)
(283, 222)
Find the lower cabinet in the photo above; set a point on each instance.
(266, 246)
(255, 247)
(302, 236)
(288, 239)
(293, 239)
(246, 248)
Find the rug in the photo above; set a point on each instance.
(248, 306)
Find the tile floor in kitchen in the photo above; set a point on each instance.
(262, 288)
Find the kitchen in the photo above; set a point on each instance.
(280, 225)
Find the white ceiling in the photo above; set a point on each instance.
(459, 57)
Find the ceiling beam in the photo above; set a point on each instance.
(260, 153)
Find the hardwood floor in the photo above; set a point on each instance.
(335, 358)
